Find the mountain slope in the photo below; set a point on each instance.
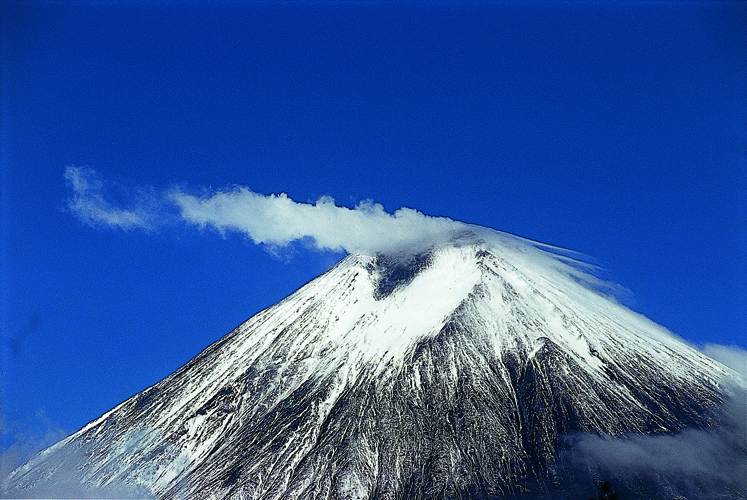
(453, 373)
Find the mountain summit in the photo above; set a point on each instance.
(455, 372)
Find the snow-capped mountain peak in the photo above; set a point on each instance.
(449, 372)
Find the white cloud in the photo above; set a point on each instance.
(731, 356)
(273, 220)
(708, 463)
(278, 220)
(22, 441)
(89, 204)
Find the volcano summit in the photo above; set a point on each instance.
(455, 372)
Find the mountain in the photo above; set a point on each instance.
(455, 372)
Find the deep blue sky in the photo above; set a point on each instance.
(617, 129)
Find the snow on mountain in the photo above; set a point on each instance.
(451, 373)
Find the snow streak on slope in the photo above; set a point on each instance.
(451, 373)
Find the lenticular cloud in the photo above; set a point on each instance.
(273, 220)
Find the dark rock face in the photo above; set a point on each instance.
(454, 374)
(396, 271)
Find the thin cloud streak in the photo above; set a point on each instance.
(272, 220)
(278, 220)
(89, 204)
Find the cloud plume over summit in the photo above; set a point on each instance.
(274, 220)
(278, 220)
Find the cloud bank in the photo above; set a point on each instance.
(694, 463)
(273, 220)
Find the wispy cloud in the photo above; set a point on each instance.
(694, 463)
(88, 202)
(731, 356)
(274, 220)
(21, 442)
